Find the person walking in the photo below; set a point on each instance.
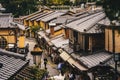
(45, 62)
(27, 48)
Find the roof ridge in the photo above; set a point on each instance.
(40, 17)
(87, 14)
(94, 24)
(96, 14)
(8, 53)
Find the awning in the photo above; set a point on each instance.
(80, 67)
(66, 57)
(60, 41)
(71, 61)
(74, 63)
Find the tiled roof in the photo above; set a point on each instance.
(95, 29)
(63, 19)
(80, 13)
(24, 17)
(40, 16)
(60, 41)
(95, 59)
(27, 74)
(86, 23)
(35, 15)
(12, 63)
(105, 21)
(17, 25)
(52, 16)
(5, 20)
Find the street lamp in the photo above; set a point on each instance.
(37, 54)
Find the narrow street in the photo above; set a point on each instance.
(51, 67)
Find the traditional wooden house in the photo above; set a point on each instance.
(55, 25)
(31, 24)
(11, 33)
(53, 16)
(26, 22)
(84, 33)
(112, 41)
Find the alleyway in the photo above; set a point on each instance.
(51, 67)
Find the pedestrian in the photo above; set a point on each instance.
(45, 62)
(27, 48)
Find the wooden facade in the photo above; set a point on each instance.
(31, 23)
(28, 22)
(13, 37)
(25, 22)
(54, 33)
(9, 35)
(42, 25)
(86, 42)
(65, 32)
(36, 23)
(110, 35)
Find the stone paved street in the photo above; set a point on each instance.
(51, 67)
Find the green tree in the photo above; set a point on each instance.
(67, 2)
(111, 8)
(19, 7)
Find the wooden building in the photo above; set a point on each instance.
(45, 20)
(85, 34)
(112, 38)
(11, 34)
(25, 18)
(30, 22)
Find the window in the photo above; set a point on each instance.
(3, 42)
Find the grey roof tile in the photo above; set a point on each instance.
(95, 59)
(52, 16)
(85, 24)
(60, 41)
(6, 21)
(63, 19)
(34, 16)
(41, 16)
(24, 17)
(11, 64)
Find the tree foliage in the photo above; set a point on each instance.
(111, 8)
(34, 28)
(55, 2)
(19, 7)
